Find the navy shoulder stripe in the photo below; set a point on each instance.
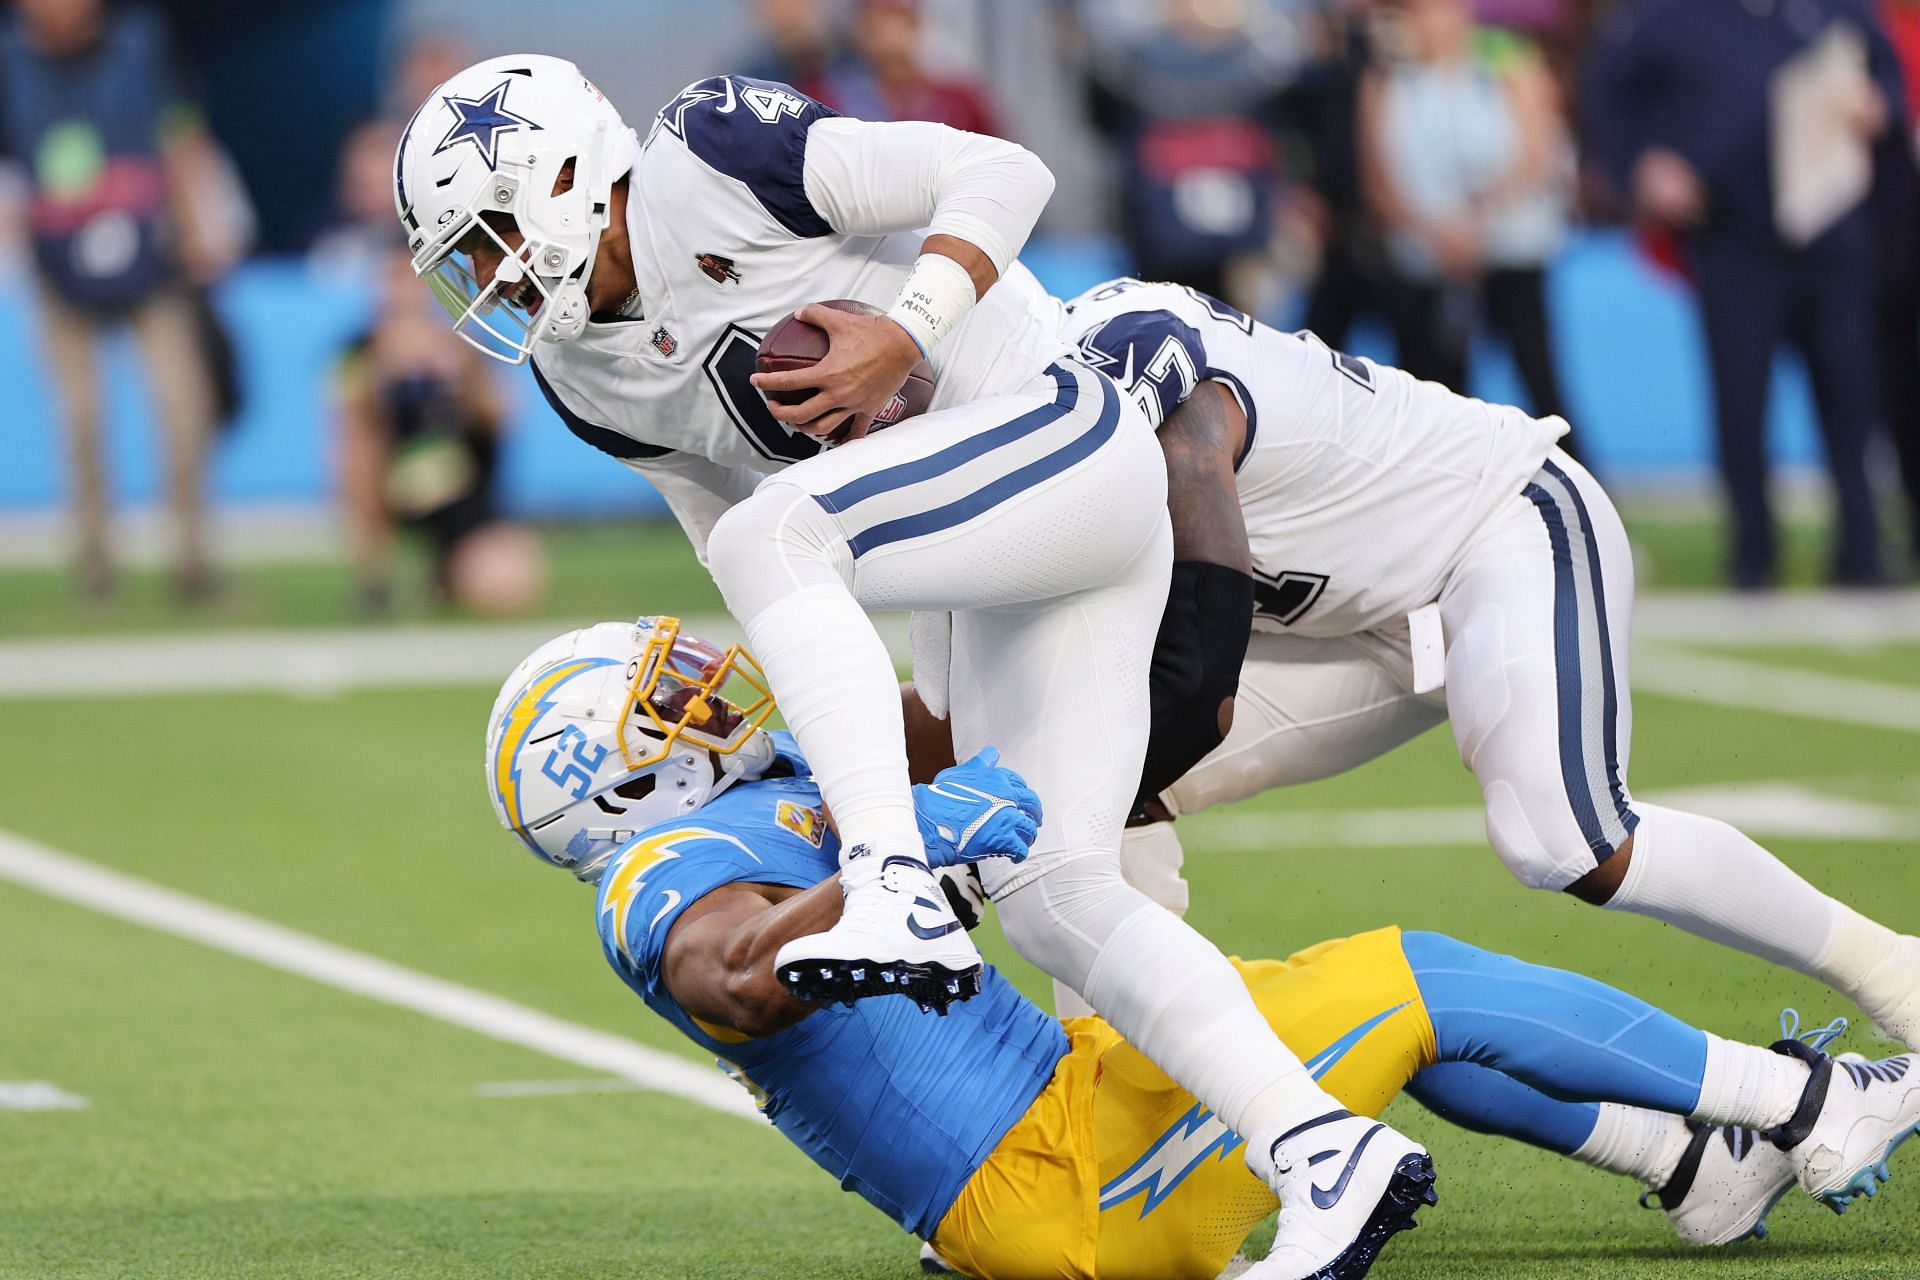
(605, 439)
(754, 131)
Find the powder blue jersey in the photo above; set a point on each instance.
(900, 1106)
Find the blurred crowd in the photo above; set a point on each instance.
(1416, 162)
(1423, 161)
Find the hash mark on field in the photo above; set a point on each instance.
(38, 1095)
(114, 893)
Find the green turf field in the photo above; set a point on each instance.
(243, 1121)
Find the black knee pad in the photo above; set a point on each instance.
(1196, 667)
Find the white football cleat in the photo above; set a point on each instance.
(1726, 1183)
(897, 935)
(1346, 1184)
(931, 1263)
(1728, 1180)
(1851, 1117)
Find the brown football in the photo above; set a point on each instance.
(795, 344)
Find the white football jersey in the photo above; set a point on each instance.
(1361, 485)
(725, 241)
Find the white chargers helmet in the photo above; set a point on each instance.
(613, 728)
(494, 139)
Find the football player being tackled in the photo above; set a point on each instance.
(1028, 502)
(1019, 1145)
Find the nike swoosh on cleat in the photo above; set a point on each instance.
(925, 934)
(1326, 1198)
(928, 933)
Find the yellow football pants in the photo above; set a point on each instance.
(1116, 1172)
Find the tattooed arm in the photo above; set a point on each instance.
(1201, 440)
(1203, 634)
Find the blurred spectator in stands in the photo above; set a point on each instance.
(803, 47)
(1681, 117)
(419, 448)
(1324, 106)
(428, 60)
(352, 234)
(1896, 227)
(894, 82)
(357, 232)
(1467, 168)
(125, 218)
(1190, 100)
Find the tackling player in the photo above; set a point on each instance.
(1029, 501)
(1021, 1147)
(1420, 556)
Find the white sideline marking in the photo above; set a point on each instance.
(310, 663)
(1838, 619)
(114, 893)
(38, 1095)
(1735, 682)
(320, 662)
(1776, 809)
(552, 1088)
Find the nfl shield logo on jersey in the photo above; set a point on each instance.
(665, 343)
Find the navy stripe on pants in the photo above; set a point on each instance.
(994, 492)
(1583, 666)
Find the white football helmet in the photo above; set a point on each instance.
(613, 728)
(494, 139)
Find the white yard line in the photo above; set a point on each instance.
(1736, 682)
(1779, 810)
(113, 893)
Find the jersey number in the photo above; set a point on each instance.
(578, 771)
(1217, 309)
(1356, 369)
(1150, 389)
(771, 104)
(729, 366)
(1287, 596)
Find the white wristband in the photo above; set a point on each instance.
(938, 292)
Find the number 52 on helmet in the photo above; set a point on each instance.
(616, 727)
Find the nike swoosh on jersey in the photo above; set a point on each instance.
(1328, 1197)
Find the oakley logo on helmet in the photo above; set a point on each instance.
(481, 121)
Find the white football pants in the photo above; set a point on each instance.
(1535, 618)
(1040, 521)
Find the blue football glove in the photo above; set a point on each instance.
(976, 810)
